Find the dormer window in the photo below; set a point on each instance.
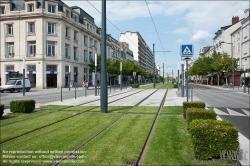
(67, 14)
(2, 9)
(30, 7)
(75, 18)
(51, 8)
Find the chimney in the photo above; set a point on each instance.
(235, 19)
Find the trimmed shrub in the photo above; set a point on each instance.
(211, 137)
(175, 85)
(1, 109)
(199, 113)
(22, 106)
(195, 104)
(135, 85)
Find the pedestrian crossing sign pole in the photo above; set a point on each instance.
(187, 54)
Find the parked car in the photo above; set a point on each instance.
(15, 84)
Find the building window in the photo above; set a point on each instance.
(10, 29)
(75, 54)
(51, 28)
(10, 49)
(2, 9)
(90, 56)
(67, 51)
(31, 28)
(30, 7)
(75, 36)
(87, 26)
(50, 48)
(32, 48)
(51, 8)
(238, 48)
(85, 56)
(85, 40)
(238, 36)
(67, 32)
(75, 18)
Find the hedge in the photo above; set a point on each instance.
(22, 106)
(1, 109)
(195, 104)
(175, 85)
(135, 85)
(199, 113)
(211, 137)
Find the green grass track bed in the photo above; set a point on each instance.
(52, 143)
(121, 141)
(170, 145)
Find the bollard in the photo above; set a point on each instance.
(75, 92)
(99, 90)
(61, 93)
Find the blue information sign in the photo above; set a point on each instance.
(51, 72)
(30, 72)
(187, 50)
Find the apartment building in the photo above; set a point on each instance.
(126, 53)
(142, 53)
(55, 41)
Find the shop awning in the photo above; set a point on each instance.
(246, 75)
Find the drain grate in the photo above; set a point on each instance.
(129, 162)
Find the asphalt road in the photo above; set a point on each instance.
(232, 105)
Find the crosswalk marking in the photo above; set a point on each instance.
(219, 112)
(246, 112)
(232, 112)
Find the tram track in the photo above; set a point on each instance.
(61, 109)
(100, 131)
(50, 124)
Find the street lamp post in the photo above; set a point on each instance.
(232, 61)
(104, 93)
(244, 76)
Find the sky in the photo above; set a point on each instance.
(167, 24)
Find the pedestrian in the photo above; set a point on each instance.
(86, 84)
(83, 85)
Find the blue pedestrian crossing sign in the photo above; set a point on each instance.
(187, 50)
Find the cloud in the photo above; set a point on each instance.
(178, 41)
(201, 37)
(182, 30)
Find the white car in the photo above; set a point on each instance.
(15, 84)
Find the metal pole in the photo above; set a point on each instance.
(154, 64)
(178, 79)
(61, 93)
(95, 74)
(104, 94)
(163, 74)
(232, 64)
(23, 76)
(172, 76)
(69, 77)
(85, 92)
(192, 93)
(187, 79)
(244, 78)
(121, 76)
(182, 80)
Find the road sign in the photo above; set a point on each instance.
(134, 74)
(185, 58)
(30, 72)
(187, 50)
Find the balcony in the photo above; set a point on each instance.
(9, 56)
(67, 57)
(75, 58)
(31, 55)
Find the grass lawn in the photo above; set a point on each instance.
(62, 137)
(145, 109)
(122, 141)
(170, 145)
(158, 86)
(171, 110)
(15, 117)
(16, 129)
(113, 109)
